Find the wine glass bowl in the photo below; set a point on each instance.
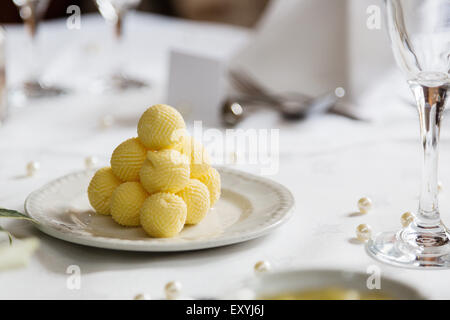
(420, 33)
(112, 9)
(31, 12)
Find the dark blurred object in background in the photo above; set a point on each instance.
(237, 12)
(10, 14)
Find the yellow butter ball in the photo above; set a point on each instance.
(127, 159)
(196, 197)
(163, 215)
(165, 171)
(126, 203)
(212, 180)
(160, 127)
(198, 156)
(200, 160)
(101, 188)
(183, 146)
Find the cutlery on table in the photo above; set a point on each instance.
(291, 106)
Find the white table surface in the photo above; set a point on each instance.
(327, 162)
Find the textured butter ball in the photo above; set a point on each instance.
(160, 127)
(196, 197)
(127, 159)
(126, 203)
(198, 156)
(101, 188)
(200, 160)
(163, 215)
(183, 146)
(212, 180)
(165, 171)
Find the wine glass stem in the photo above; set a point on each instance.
(118, 27)
(430, 102)
(34, 60)
(118, 39)
(31, 25)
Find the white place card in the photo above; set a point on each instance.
(197, 85)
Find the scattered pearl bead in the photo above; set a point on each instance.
(339, 92)
(107, 121)
(143, 296)
(364, 205)
(32, 168)
(262, 266)
(90, 162)
(440, 186)
(363, 232)
(172, 290)
(406, 219)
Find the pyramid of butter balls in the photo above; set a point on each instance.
(162, 180)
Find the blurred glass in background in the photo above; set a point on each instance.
(32, 12)
(114, 12)
(237, 12)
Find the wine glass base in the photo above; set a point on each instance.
(412, 248)
(118, 83)
(33, 90)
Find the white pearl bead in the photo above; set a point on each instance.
(406, 219)
(339, 92)
(363, 232)
(90, 162)
(440, 186)
(143, 296)
(107, 121)
(262, 266)
(32, 168)
(364, 205)
(173, 290)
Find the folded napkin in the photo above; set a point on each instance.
(314, 46)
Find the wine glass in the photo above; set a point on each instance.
(420, 39)
(114, 12)
(31, 12)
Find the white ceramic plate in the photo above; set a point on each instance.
(250, 206)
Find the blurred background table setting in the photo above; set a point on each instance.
(76, 75)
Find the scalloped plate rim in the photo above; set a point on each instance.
(142, 246)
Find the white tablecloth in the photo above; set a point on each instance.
(327, 162)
